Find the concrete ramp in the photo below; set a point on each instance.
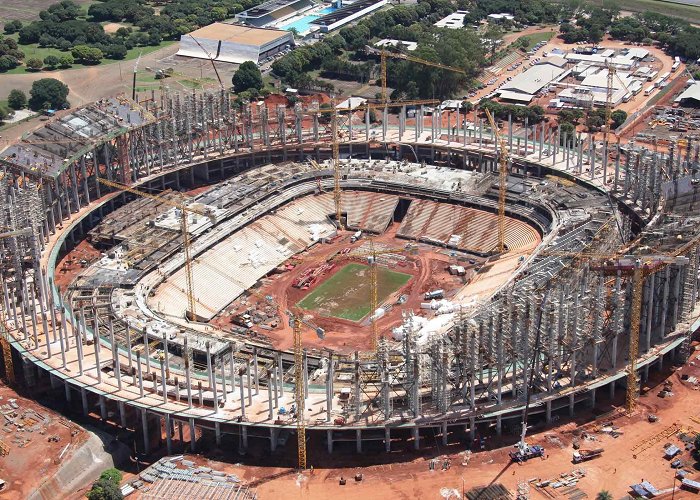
(82, 466)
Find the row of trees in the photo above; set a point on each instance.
(591, 23)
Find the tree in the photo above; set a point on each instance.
(35, 64)
(87, 54)
(17, 99)
(48, 91)
(51, 61)
(7, 63)
(105, 489)
(66, 61)
(4, 113)
(13, 27)
(247, 77)
(112, 474)
(618, 118)
(604, 495)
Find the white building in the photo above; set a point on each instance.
(390, 42)
(453, 21)
(523, 87)
(234, 43)
(499, 18)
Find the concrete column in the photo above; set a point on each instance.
(163, 382)
(273, 439)
(255, 371)
(83, 396)
(122, 414)
(193, 436)
(270, 413)
(499, 425)
(244, 436)
(217, 433)
(358, 440)
(96, 344)
(144, 428)
(387, 439)
(444, 433)
(140, 374)
(329, 440)
(571, 405)
(548, 411)
(416, 438)
(240, 377)
(169, 433)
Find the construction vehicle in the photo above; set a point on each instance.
(191, 312)
(584, 455)
(503, 157)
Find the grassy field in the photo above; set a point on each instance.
(346, 294)
(690, 13)
(535, 38)
(28, 10)
(34, 51)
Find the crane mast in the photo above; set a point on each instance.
(191, 312)
(337, 196)
(299, 392)
(502, 182)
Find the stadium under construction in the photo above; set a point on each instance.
(600, 261)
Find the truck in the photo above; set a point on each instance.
(526, 452)
(355, 236)
(434, 294)
(583, 455)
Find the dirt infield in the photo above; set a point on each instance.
(346, 294)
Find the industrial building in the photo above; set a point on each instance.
(454, 21)
(272, 12)
(522, 88)
(387, 42)
(347, 14)
(234, 43)
(241, 196)
(690, 97)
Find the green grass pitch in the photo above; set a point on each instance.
(346, 294)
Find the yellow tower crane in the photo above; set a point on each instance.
(503, 155)
(612, 76)
(299, 398)
(296, 322)
(191, 313)
(372, 257)
(638, 268)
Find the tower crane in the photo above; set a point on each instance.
(296, 321)
(191, 313)
(638, 268)
(612, 75)
(503, 156)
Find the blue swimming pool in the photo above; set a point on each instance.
(303, 25)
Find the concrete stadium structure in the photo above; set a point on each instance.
(92, 340)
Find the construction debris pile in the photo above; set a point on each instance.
(177, 478)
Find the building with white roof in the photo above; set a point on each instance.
(390, 42)
(499, 18)
(351, 103)
(523, 87)
(453, 21)
(690, 96)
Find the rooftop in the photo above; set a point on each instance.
(344, 12)
(453, 21)
(692, 92)
(239, 33)
(532, 80)
(265, 8)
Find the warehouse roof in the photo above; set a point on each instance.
(692, 92)
(532, 80)
(239, 33)
(515, 96)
